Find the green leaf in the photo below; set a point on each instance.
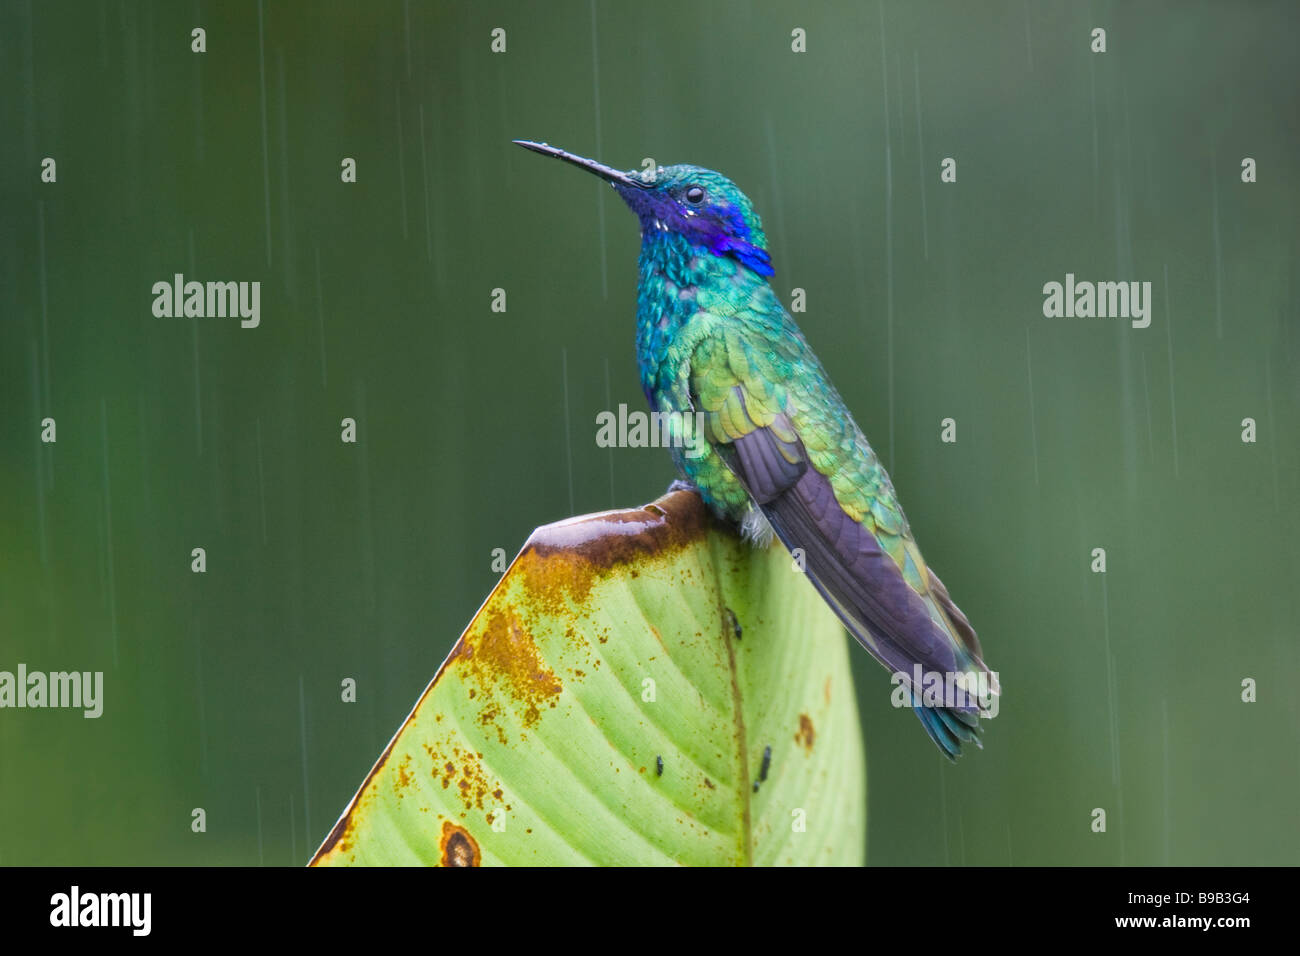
(613, 642)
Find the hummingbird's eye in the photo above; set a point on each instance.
(695, 195)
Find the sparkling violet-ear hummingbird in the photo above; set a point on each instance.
(783, 453)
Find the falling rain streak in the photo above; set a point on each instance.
(769, 132)
(288, 268)
(103, 33)
(943, 810)
(1096, 141)
(600, 153)
(1146, 393)
(257, 795)
(261, 483)
(609, 403)
(45, 312)
(198, 387)
(401, 154)
(108, 525)
(266, 156)
(1029, 39)
(29, 82)
(406, 19)
(41, 454)
(1272, 426)
(1033, 413)
(1218, 255)
(1169, 340)
(902, 126)
(198, 372)
(1112, 694)
(889, 235)
(424, 174)
(320, 312)
(1167, 816)
(367, 512)
(302, 740)
(198, 90)
(920, 157)
(200, 698)
(568, 431)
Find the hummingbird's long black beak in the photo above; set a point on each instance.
(606, 173)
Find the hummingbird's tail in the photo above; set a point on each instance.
(949, 727)
(906, 621)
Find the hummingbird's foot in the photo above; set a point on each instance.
(680, 484)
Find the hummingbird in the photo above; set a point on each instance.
(781, 454)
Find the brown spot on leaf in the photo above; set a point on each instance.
(569, 556)
(805, 735)
(456, 847)
(449, 770)
(403, 776)
(499, 654)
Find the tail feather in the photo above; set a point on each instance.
(948, 728)
(903, 626)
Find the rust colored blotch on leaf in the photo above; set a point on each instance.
(806, 734)
(404, 777)
(569, 555)
(503, 648)
(456, 847)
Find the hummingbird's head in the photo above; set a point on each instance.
(703, 207)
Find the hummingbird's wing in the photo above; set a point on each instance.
(790, 442)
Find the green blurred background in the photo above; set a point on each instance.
(328, 560)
